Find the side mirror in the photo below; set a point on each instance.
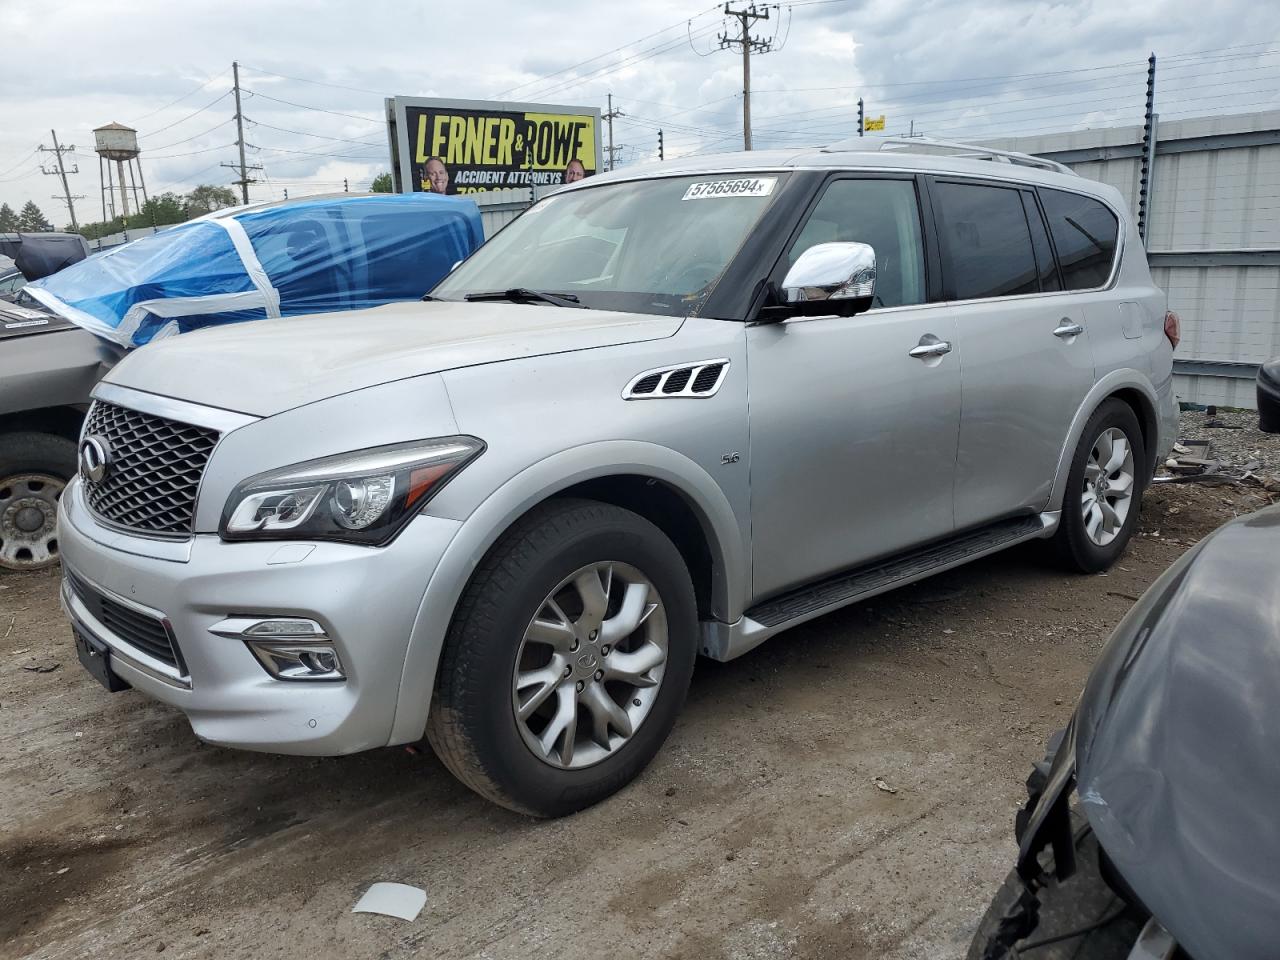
(831, 278)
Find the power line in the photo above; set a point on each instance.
(648, 54)
(601, 56)
(306, 133)
(34, 150)
(192, 153)
(211, 103)
(304, 106)
(318, 83)
(310, 153)
(189, 93)
(203, 133)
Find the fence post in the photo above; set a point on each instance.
(1149, 123)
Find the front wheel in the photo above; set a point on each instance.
(567, 661)
(34, 470)
(1104, 490)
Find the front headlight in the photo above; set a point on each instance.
(361, 497)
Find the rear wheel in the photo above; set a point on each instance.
(567, 661)
(34, 470)
(1104, 490)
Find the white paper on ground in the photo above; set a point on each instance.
(393, 900)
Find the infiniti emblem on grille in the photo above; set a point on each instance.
(95, 458)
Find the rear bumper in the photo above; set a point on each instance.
(367, 600)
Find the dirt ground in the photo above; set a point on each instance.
(758, 831)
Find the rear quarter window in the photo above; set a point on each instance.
(986, 241)
(1084, 232)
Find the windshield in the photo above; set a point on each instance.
(647, 246)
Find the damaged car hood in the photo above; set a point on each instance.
(1176, 740)
(274, 365)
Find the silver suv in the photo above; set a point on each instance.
(668, 411)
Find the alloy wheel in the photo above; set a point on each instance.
(1109, 478)
(29, 520)
(590, 665)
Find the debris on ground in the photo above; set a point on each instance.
(44, 666)
(392, 900)
(881, 785)
(1244, 455)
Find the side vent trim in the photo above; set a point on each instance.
(682, 381)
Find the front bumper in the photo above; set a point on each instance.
(366, 598)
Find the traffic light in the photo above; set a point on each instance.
(660, 156)
(861, 118)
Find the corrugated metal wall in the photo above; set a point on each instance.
(1213, 238)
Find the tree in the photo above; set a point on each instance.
(8, 219)
(161, 210)
(206, 198)
(32, 220)
(382, 184)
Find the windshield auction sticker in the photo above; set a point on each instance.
(745, 187)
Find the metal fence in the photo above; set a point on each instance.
(1213, 235)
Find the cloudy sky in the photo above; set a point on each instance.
(314, 75)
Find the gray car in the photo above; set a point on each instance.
(668, 411)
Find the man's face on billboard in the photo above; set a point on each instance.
(437, 176)
(574, 172)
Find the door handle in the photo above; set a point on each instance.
(1067, 329)
(929, 347)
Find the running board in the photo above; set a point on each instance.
(726, 641)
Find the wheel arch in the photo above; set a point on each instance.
(64, 421)
(1130, 387)
(666, 487)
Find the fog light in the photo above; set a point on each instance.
(298, 661)
(289, 648)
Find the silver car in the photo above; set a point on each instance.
(668, 411)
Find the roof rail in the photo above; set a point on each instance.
(956, 148)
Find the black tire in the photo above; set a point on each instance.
(1075, 904)
(472, 726)
(33, 454)
(1071, 544)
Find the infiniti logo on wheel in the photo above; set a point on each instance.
(95, 458)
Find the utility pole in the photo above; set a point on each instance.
(609, 117)
(748, 44)
(61, 171)
(862, 120)
(244, 180)
(660, 155)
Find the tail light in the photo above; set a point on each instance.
(1172, 328)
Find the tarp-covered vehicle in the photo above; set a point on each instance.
(280, 259)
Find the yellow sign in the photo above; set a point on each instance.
(874, 123)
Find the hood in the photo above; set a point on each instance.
(23, 321)
(1176, 744)
(270, 366)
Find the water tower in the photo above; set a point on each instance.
(119, 144)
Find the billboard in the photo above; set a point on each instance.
(474, 146)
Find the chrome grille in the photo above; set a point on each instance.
(154, 469)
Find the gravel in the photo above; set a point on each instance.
(1237, 447)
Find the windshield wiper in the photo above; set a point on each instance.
(525, 295)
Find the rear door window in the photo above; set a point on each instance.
(1084, 233)
(986, 243)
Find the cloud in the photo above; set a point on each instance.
(1056, 65)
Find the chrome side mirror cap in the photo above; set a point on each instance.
(831, 278)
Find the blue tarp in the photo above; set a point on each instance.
(303, 256)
